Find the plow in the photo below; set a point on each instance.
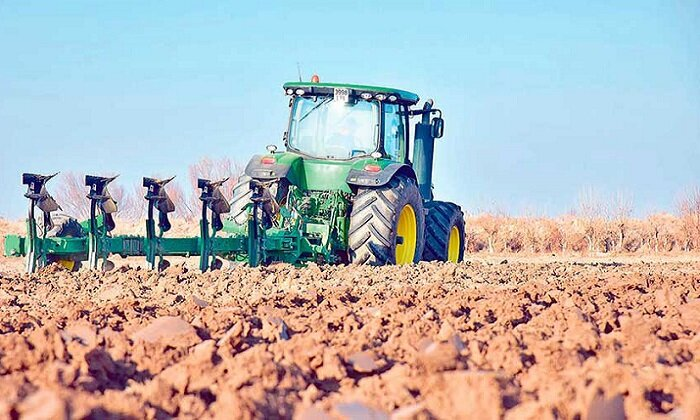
(346, 190)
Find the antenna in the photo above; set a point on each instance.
(299, 70)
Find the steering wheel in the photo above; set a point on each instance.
(336, 151)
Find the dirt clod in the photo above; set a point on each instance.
(169, 330)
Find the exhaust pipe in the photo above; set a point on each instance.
(423, 151)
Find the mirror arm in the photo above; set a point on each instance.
(414, 112)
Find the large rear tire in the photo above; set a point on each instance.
(444, 232)
(64, 226)
(241, 198)
(242, 194)
(387, 224)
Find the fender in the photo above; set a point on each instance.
(362, 178)
(284, 167)
(258, 170)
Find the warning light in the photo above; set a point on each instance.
(315, 78)
(267, 160)
(373, 168)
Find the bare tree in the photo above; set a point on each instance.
(132, 206)
(590, 210)
(653, 231)
(620, 213)
(183, 206)
(121, 197)
(550, 236)
(70, 195)
(689, 212)
(569, 228)
(491, 224)
(212, 169)
(659, 232)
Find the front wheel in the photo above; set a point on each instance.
(387, 224)
(444, 237)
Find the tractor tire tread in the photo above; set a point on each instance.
(372, 231)
(240, 199)
(441, 217)
(64, 226)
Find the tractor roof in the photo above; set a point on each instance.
(327, 88)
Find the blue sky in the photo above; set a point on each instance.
(541, 99)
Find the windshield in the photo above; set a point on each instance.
(325, 128)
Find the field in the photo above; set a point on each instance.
(513, 337)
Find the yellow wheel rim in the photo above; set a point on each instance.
(406, 229)
(69, 264)
(454, 244)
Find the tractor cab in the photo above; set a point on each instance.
(345, 121)
(344, 136)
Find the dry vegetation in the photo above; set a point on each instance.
(595, 226)
(658, 233)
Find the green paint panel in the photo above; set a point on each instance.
(15, 246)
(324, 175)
(64, 246)
(229, 244)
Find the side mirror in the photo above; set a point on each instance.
(437, 127)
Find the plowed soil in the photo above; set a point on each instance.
(482, 339)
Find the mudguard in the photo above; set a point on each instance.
(362, 178)
(257, 170)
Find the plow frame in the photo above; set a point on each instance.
(254, 243)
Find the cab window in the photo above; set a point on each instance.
(394, 132)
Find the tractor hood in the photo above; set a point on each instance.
(323, 175)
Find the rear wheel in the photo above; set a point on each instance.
(444, 232)
(241, 198)
(387, 224)
(64, 226)
(242, 194)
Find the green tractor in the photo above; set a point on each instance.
(344, 191)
